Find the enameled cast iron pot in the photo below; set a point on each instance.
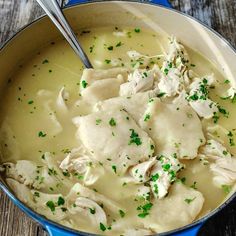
(155, 15)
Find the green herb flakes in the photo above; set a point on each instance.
(134, 138)
(110, 48)
(189, 200)
(112, 122)
(122, 213)
(147, 117)
(226, 188)
(102, 227)
(84, 83)
(137, 30)
(92, 210)
(51, 205)
(60, 201)
(114, 168)
(107, 61)
(42, 134)
(144, 210)
(98, 121)
(119, 44)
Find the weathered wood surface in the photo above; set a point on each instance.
(218, 14)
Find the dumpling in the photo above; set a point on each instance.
(98, 84)
(180, 208)
(114, 138)
(135, 105)
(102, 89)
(175, 129)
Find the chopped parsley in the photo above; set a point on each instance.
(60, 201)
(215, 117)
(137, 30)
(112, 122)
(147, 117)
(42, 134)
(98, 121)
(84, 83)
(110, 48)
(166, 167)
(91, 48)
(118, 44)
(226, 188)
(122, 213)
(189, 200)
(194, 185)
(51, 205)
(45, 61)
(134, 138)
(36, 194)
(231, 138)
(92, 210)
(160, 95)
(223, 111)
(30, 102)
(114, 168)
(102, 227)
(226, 81)
(107, 61)
(144, 210)
(155, 177)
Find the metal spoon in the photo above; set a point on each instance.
(53, 10)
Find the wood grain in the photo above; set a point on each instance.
(218, 14)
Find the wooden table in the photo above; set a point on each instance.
(218, 14)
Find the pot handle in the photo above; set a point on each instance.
(159, 2)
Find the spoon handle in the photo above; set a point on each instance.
(55, 13)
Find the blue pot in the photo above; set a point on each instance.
(55, 229)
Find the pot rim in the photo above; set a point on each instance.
(49, 223)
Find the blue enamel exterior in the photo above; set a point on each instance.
(55, 229)
(159, 2)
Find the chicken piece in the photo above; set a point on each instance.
(199, 99)
(163, 174)
(138, 81)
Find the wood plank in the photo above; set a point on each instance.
(14, 14)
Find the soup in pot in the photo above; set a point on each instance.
(142, 144)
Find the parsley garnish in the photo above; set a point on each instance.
(231, 139)
(84, 83)
(110, 48)
(155, 177)
(92, 210)
(45, 61)
(107, 61)
(122, 214)
(114, 168)
(147, 117)
(98, 121)
(145, 210)
(102, 227)
(189, 200)
(60, 201)
(112, 122)
(226, 188)
(42, 134)
(137, 30)
(118, 44)
(51, 205)
(134, 138)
